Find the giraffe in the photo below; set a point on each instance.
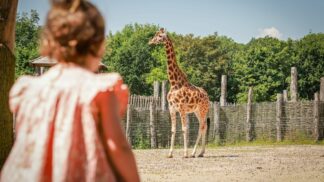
(183, 97)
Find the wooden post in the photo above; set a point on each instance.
(152, 126)
(223, 90)
(164, 95)
(216, 122)
(321, 104)
(316, 114)
(156, 87)
(248, 116)
(128, 121)
(42, 70)
(285, 96)
(322, 89)
(279, 117)
(293, 85)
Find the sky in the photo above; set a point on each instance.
(240, 20)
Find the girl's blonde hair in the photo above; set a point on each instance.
(73, 29)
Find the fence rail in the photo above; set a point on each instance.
(139, 102)
(147, 125)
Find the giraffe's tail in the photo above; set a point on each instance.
(208, 127)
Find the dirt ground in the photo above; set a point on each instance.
(252, 163)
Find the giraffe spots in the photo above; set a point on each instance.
(175, 76)
(190, 94)
(182, 101)
(171, 68)
(191, 101)
(182, 82)
(191, 106)
(187, 99)
(184, 94)
(169, 96)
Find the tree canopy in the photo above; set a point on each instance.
(27, 41)
(263, 63)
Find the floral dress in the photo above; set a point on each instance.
(58, 137)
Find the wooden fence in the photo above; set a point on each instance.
(148, 126)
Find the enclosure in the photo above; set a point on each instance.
(253, 163)
(147, 124)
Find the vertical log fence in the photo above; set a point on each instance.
(148, 120)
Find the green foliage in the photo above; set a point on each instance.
(139, 139)
(129, 54)
(205, 60)
(263, 63)
(27, 38)
(266, 143)
(310, 64)
(158, 73)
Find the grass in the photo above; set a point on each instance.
(245, 143)
(264, 143)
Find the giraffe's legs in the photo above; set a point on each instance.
(185, 133)
(173, 130)
(203, 139)
(197, 141)
(201, 134)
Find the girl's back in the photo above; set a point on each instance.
(55, 113)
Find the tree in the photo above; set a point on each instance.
(205, 59)
(27, 41)
(310, 64)
(264, 64)
(129, 54)
(7, 71)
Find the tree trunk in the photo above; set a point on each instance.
(8, 9)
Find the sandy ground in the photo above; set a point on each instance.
(253, 163)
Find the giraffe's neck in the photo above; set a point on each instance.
(176, 77)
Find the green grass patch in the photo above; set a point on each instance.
(265, 142)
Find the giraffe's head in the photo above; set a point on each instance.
(159, 37)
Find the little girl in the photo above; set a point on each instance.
(68, 120)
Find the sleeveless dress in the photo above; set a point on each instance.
(57, 136)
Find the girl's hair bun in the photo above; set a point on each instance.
(72, 5)
(73, 28)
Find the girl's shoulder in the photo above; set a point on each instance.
(19, 90)
(111, 82)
